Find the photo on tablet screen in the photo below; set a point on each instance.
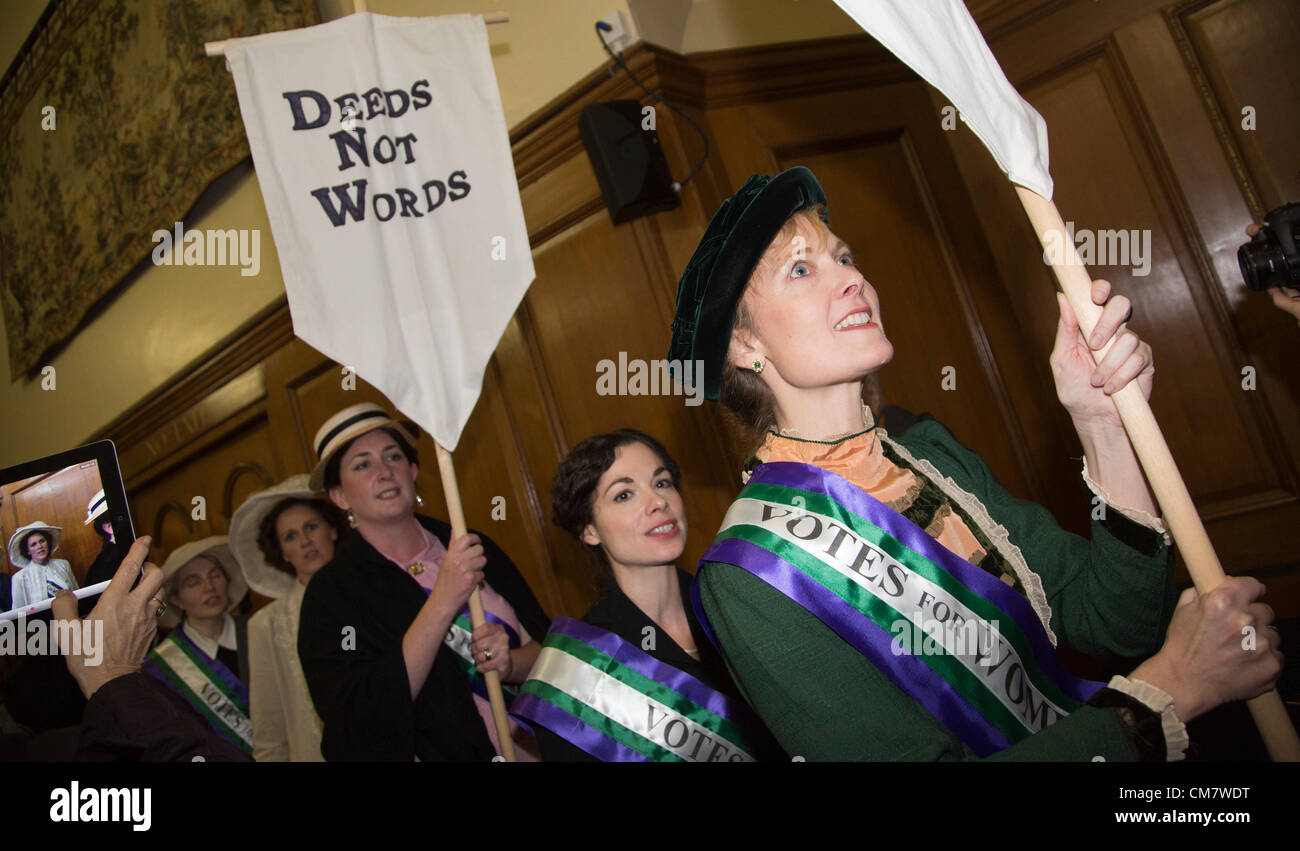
(63, 524)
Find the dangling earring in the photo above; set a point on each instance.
(419, 501)
(352, 520)
(758, 367)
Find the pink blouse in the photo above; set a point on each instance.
(424, 568)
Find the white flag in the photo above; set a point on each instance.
(938, 39)
(383, 157)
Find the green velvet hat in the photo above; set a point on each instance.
(714, 280)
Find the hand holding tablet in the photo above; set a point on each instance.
(128, 618)
(61, 518)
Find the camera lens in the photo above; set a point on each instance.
(1263, 265)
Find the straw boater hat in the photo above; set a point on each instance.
(262, 576)
(98, 505)
(216, 548)
(16, 554)
(349, 423)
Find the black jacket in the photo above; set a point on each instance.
(135, 717)
(131, 718)
(354, 614)
(105, 565)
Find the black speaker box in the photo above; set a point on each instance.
(628, 161)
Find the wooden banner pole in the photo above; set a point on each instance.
(1153, 453)
(456, 516)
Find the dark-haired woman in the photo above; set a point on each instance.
(40, 576)
(281, 537)
(636, 679)
(884, 598)
(384, 636)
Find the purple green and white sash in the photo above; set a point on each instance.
(895, 594)
(213, 689)
(458, 639)
(619, 704)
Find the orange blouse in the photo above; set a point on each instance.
(860, 459)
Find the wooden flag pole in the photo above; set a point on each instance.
(217, 48)
(456, 516)
(1157, 462)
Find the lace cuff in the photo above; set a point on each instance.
(1142, 518)
(1175, 731)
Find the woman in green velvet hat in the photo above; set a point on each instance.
(881, 596)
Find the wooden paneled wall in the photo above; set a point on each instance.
(1144, 102)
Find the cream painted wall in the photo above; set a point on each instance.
(169, 316)
(547, 46)
(163, 321)
(160, 323)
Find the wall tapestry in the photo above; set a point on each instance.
(112, 123)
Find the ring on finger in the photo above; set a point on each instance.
(487, 655)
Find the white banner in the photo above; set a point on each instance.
(938, 39)
(384, 161)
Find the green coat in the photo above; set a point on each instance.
(1110, 596)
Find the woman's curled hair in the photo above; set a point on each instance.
(269, 542)
(49, 543)
(573, 488)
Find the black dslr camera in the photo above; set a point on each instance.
(1270, 258)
